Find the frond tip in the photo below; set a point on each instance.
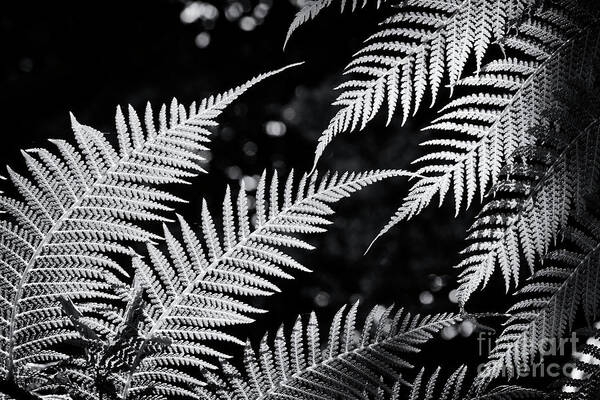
(82, 204)
(314, 7)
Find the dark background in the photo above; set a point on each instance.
(88, 56)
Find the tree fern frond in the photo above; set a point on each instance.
(349, 364)
(455, 386)
(411, 53)
(83, 203)
(584, 380)
(198, 288)
(477, 133)
(568, 282)
(314, 7)
(534, 200)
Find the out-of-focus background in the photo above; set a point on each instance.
(88, 56)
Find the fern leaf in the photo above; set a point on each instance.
(195, 289)
(412, 52)
(83, 203)
(456, 387)
(477, 133)
(314, 7)
(534, 200)
(584, 380)
(547, 305)
(348, 365)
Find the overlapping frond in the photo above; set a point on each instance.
(456, 386)
(547, 305)
(412, 53)
(314, 7)
(583, 382)
(83, 203)
(477, 133)
(198, 289)
(350, 364)
(105, 348)
(533, 201)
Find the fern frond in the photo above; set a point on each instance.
(314, 7)
(584, 380)
(455, 386)
(569, 282)
(198, 288)
(412, 52)
(350, 363)
(107, 347)
(534, 200)
(477, 133)
(83, 203)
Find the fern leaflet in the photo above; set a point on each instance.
(314, 7)
(455, 387)
(535, 199)
(411, 53)
(477, 133)
(350, 363)
(568, 282)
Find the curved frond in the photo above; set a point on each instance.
(82, 203)
(350, 364)
(411, 54)
(533, 201)
(477, 133)
(547, 305)
(199, 287)
(314, 7)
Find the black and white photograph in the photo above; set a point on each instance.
(300, 200)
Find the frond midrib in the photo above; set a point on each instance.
(538, 186)
(214, 265)
(500, 361)
(297, 376)
(390, 70)
(437, 180)
(67, 212)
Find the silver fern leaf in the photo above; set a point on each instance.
(314, 7)
(351, 362)
(412, 52)
(477, 133)
(198, 289)
(568, 282)
(534, 200)
(82, 204)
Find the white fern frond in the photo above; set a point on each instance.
(569, 282)
(198, 289)
(412, 53)
(314, 7)
(477, 133)
(533, 202)
(83, 203)
(351, 362)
